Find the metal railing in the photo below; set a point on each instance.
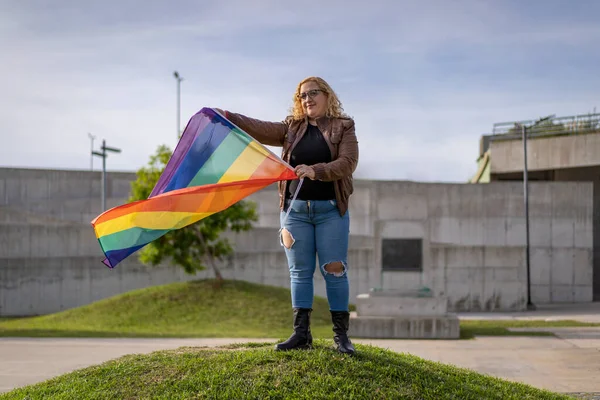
(577, 124)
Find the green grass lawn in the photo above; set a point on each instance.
(256, 371)
(472, 328)
(187, 309)
(198, 309)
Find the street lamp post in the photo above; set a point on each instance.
(179, 79)
(103, 154)
(530, 305)
(92, 137)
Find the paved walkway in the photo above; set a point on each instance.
(570, 363)
(583, 312)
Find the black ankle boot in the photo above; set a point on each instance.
(302, 337)
(341, 322)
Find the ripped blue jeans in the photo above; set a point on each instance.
(316, 228)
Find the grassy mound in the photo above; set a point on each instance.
(188, 309)
(256, 371)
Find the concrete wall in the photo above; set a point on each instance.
(579, 174)
(61, 268)
(590, 174)
(546, 153)
(473, 242)
(66, 194)
(76, 196)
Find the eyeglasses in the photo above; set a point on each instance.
(311, 93)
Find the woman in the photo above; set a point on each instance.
(319, 141)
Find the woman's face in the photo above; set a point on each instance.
(314, 100)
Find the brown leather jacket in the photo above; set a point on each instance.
(339, 134)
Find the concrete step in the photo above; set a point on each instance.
(405, 327)
(391, 304)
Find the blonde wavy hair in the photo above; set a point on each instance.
(334, 105)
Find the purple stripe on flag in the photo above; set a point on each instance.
(194, 127)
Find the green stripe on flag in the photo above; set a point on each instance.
(221, 159)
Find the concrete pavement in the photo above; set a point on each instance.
(564, 364)
(561, 365)
(582, 312)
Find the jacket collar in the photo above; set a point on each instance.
(323, 123)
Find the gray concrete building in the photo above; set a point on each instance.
(563, 149)
(462, 241)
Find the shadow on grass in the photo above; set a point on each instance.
(248, 345)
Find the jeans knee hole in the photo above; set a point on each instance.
(335, 273)
(286, 238)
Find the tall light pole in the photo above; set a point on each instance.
(530, 305)
(92, 137)
(103, 154)
(179, 79)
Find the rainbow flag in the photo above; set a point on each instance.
(214, 165)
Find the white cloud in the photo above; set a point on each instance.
(73, 70)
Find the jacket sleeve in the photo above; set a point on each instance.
(347, 159)
(267, 133)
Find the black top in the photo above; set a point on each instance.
(311, 149)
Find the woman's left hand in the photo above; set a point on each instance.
(304, 171)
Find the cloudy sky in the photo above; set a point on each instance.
(423, 79)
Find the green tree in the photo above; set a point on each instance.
(196, 244)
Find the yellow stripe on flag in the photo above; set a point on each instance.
(246, 164)
(149, 220)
